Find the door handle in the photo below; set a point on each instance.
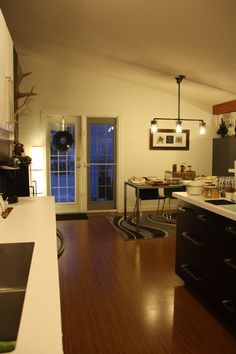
(184, 209)
(191, 238)
(187, 270)
(231, 230)
(230, 262)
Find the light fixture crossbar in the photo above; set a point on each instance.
(202, 125)
(182, 119)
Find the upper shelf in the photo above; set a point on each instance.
(226, 107)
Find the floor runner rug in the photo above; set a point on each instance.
(72, 216)
(148, 229)
(60, 243)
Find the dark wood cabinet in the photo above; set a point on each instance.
(22, 182)
(223, 155)
(227, 269)
(206, 255)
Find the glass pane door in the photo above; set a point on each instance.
(64, 166)
(101, 176)
(63, 170)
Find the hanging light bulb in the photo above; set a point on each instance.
(154, 126)
(178, 128)
(202, 128)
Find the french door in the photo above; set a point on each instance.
(101, 163)
(83, 177)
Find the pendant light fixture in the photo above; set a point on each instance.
(178, 128)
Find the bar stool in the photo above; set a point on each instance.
(168, 195)
(150, 194)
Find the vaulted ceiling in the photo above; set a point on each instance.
(149, 39)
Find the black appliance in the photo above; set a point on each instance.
(14, 182)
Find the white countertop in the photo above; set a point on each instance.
(33, 220)
(199, 200)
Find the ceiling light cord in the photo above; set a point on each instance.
(179, 79)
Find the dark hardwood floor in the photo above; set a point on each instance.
(123, 297)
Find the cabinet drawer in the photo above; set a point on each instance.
(192, 250)
(227, 260)
(206, 256)
(195, 221)
(227, 307)
(197, 281)
(227, 276)
(195, 247)
(191, 277)
(228, 240)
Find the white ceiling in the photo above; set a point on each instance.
(156, 38)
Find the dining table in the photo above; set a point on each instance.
(139, 186)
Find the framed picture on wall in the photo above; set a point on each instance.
(168, 139)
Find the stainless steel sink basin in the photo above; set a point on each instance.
(15, 261)
(230, 207)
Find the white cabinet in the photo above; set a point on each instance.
(6, 82)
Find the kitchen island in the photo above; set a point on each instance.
(206, 251)
(32, 221)
(226, 210)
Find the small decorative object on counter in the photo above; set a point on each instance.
(174, 167)
(168, 175)
(2, 203)
(211, 192)
(137, 180)
(230, 130)
(234, 197)
(19, 156)
(185, 175)
(195, 187)
(223, 130)
(182, 167)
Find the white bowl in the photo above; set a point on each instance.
(194, 190)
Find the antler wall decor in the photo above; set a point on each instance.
(20, 95)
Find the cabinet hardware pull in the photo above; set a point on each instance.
(188, 236)
(231, 230)
(18, 289)
(230, 262)
(205, 218)
(184, 209)
(228, 305)
(185, 267)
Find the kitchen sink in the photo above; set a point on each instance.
(15, 261)
(11, 305)
(230, 207)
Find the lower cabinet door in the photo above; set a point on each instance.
(195, 248)
(227, 275)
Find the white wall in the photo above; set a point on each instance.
(63, 88)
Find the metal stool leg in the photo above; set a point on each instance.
(170, 209)
(158, 206)
(140, 212)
